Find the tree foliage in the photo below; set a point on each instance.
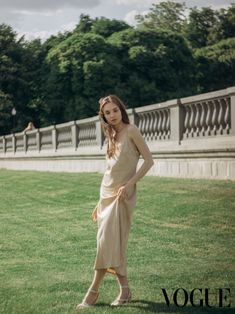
(166, 15)
(215, 62)
(169, 54)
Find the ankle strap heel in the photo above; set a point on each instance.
(84, 304)
(120, 301)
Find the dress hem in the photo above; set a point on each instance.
(111, 270)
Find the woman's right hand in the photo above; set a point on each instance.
(94, 214)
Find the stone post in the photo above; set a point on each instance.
(99, 134)
(132, 116)
(13, 143)
(74, 134)
(54, 139)
(4, 145)
(176, 120)
(25, 142)
(231, 93)
(38, 140)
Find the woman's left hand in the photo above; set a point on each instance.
(124, 191)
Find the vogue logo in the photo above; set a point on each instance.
(198, 297)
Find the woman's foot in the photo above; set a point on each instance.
(89, 299)
(124, 296)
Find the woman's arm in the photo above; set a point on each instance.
(135, 135)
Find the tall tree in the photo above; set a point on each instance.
(13, 83)
(85, 24)
(167, 15)
(6, 119)
(106, 27)
(80, 70)
(226, 23)
(156, 65)
(201, 23)
(216, 65)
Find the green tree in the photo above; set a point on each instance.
(33, 63)
(206, 26)
(167, 15)
(156, 66)
(216, 65)
(80, 70)
(13, 81)
(201, 23)
(85, 24)
(6, 105)
(226, 23)
(106, 27)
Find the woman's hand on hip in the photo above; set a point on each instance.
(124, 191)
(94, 214)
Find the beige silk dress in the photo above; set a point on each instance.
(114, 215)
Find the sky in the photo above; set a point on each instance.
(42, 18)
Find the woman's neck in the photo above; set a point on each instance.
(118, 128)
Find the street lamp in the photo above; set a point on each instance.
(13, 113)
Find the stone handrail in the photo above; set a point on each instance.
(210, 115)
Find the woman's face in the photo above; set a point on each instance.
(112, 113)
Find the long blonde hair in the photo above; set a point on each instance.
(108, 130)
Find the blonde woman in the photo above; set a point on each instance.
(113, 212)
(29, 127)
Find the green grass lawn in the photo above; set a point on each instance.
(182, 237)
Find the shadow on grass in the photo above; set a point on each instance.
(154, 307)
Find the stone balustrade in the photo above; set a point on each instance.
(188, 137)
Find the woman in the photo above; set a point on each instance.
(29, 127)
(113, 212)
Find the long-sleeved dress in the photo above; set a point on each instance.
(114, 215)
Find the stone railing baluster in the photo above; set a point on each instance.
(191, 120)
(220, 116)
(145, 125)
(186, 122)
(202, 118)
(208, 118)
(197, 120)
(159, 124)
(151, 127)
(155, 125)
(214, 117)
(226, 116)
(168, 126)
(140, 123)
(164, 123)
(147, 134)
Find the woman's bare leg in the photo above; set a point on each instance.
(124, 287)
(98, 276)
(90, 297)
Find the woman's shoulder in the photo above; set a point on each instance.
(132, 130)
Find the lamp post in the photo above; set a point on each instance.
(13, 113)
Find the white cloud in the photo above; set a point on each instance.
(68, 27)
(42, 18)
(130, 16)
(211, 3)
(140, 4)
(42, 13)
(30, 35)
(45, 5)
(44, 34)
(189, 3)
(137, 3)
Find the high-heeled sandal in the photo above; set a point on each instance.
(120, 301)
(84, 304)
